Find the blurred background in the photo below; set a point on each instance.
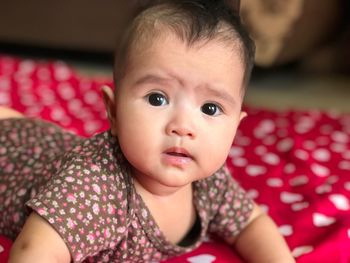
(302, 60)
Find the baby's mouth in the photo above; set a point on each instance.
(178, 152)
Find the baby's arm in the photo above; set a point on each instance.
(38, 242)
(261, 242)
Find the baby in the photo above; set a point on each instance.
(154, 186)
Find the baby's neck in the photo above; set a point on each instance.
(174, 213)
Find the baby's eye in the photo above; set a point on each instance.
(211, 109)
(157, 99)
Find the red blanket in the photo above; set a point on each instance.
(295, 164)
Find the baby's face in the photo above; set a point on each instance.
(177, 111)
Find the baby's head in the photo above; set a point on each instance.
(192, 21)
(180, 79)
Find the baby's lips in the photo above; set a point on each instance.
(178, 151)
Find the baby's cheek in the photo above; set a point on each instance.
(217, 155)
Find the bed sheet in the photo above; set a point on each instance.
(295, 164)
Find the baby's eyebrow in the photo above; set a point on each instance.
(217, 93)
(152, 78)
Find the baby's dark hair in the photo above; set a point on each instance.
(192, 21)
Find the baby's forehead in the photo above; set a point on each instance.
(152, 38)
(154, 56)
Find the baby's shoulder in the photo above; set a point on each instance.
(98, 156)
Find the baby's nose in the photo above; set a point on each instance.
(182, 124)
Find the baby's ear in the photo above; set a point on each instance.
(242, 115)
(110, 105)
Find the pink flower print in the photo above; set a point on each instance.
(37, 149)
(80, 216)
(22, 192)
(237, 204)
(96, 188)
(121, 229)
(134, 224)
(87, 202)
(215, 207)
(233, 228)
(95, 209)
(144, 213)
(71, 198)
(107, 233)
(90, 238)
(102, 221)
(89, 216)
(13, 136)
(110, 209)
(123, 245)
(9, 168)
(222, 210)
(70, 179)
(62, 212)
(26, 170)
(95, 198)
(15, 217)
(79, 256)
(142, 241)
(3, 188)
(70, 223)
(62, 230)
(70, 238)
(95, 168)
(211, 194)
(3, 150)
(42, 212)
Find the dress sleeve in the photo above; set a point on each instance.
(85, 205)
(232, 207)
